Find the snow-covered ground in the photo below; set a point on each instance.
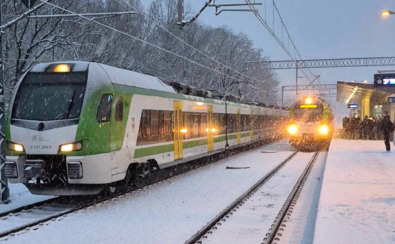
(251, 222)
(357, 203)
(20, 196)
(300, 225)
(168, 212)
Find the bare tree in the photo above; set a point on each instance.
(38, 40)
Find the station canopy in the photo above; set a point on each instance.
(353, 92)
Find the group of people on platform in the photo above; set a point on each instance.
(369, 128)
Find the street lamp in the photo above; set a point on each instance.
(387, 13)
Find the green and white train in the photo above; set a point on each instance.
(79, 127)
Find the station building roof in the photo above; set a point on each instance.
(353, 92)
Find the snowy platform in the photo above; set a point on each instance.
(357, 203)
(20, 196)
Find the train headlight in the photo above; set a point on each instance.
(62, 68)
(292, 129)
(69, 147)
(308, 100)
(15, 147)
(324, 130)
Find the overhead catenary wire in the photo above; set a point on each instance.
(20, 17)
(184, 42)
(143, 41)
(271, 31)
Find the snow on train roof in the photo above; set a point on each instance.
(77, 66)
(131, 78)
(117, 76)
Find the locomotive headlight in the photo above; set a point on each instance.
(15, 147)
(324, 129)
(309, 100)
(69, 147)
(292, 129)
(62, 68)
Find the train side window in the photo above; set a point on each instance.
(203, 125)
(154, 125)
(232, 123)
(119, 109)
(195, 125)
(187, 125)
(168, 125)
(221, 124)
(243, 122)
(104, 111)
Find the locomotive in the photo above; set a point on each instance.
(310, 124)
(76, 128)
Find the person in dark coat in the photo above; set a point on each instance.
(372, 128)
(365, 128)
(378, 128)
(387, 127)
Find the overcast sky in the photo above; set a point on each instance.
(320, 29)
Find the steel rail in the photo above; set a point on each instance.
(279, 223)
(202, 232)
(160, 176)
(29, 206)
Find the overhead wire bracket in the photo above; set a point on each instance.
(210, 3)
(230, 8)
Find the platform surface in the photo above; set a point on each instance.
(357, 201)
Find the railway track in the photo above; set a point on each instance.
(210, 232)
(31, 216)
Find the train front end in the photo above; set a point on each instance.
(42, 127)
(310, 124)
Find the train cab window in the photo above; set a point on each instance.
(104, 110)
(119, 109)
(50, 96)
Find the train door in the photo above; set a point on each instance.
(117, 132)
(177, 128)
(238, 126)
(210, 127)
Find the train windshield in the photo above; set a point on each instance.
(50, 96)
(309, 114)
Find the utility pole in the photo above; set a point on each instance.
(297, 69)
(4, 190)
(180, 12)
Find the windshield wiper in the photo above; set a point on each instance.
(65, 114)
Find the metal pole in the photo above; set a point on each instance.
(180, 11)
(282, 96)
(4, 190)
(296, 87)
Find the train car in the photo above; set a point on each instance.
(311, 124)
(80, 127)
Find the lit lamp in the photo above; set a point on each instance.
(386, 13)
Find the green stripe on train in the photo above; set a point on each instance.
(154, 150)
(148, 151)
